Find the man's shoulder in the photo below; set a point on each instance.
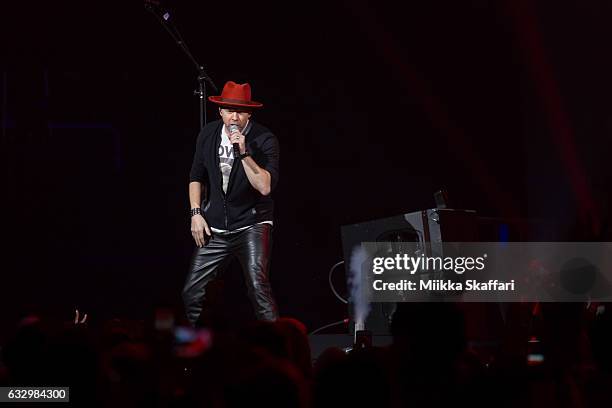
(212, 125)
(260, 130)
(209, 129)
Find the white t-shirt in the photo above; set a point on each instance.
(226, 154)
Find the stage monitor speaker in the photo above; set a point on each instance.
(417, 232)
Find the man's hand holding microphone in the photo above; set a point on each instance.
(238, 140)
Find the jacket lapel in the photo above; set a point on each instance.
(217, 145)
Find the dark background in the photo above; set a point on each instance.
(376, 106)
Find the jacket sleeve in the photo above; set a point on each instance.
(198, 169)
(271, 151)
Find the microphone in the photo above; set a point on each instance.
(232, 129)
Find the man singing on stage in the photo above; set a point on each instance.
(236, 161)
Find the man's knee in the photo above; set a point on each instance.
(188, 294)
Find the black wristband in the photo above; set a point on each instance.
(195, 211)
(242, 156)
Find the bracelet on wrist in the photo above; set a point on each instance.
(245, 154)
(195, 211)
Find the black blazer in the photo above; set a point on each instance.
(242, 205)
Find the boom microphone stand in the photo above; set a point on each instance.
(164, 19)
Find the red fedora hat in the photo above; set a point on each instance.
(235, 95)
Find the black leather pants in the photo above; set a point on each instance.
(252, 248)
